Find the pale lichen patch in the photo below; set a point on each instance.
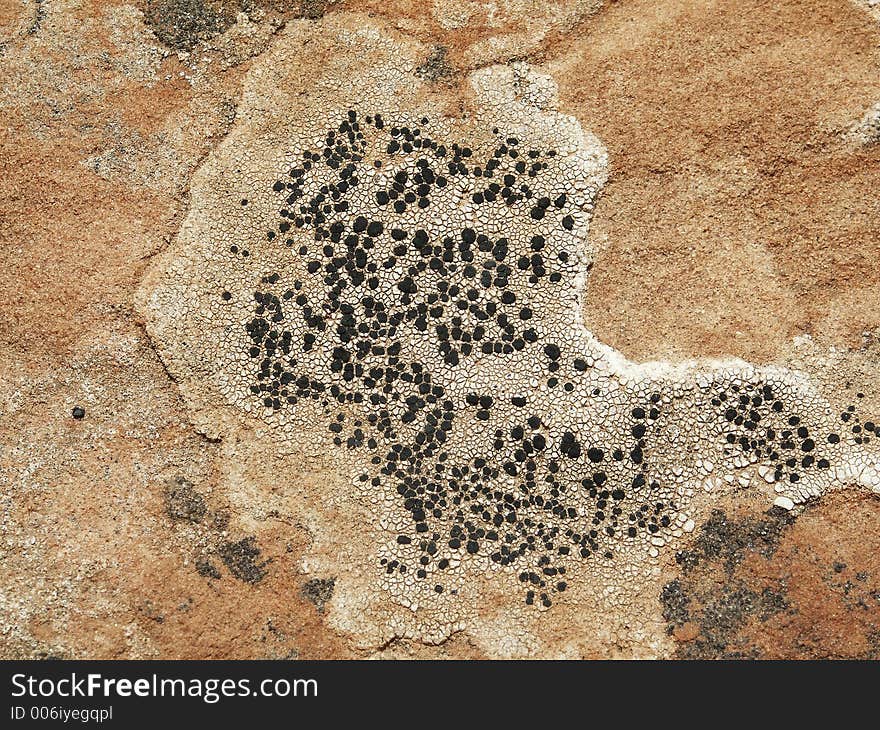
(367, 284)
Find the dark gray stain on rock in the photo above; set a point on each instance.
(183, 502)
(675, 603)
(242, 559)
(37, 19)
(182, 24)
(207, 569)
(319, 591)
(436, 66)
(728, 541)
(716, 610)
(311, 9)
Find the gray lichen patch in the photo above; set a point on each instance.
(207, 569)
(182, 24)
(777, 585)
(724, 615)
(728, 541)
(436, 67)
(183, 501)
(319, 591)
(243, 560)
(707, 611)
(311, 9)
(374, 289)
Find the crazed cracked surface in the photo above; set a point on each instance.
(146, 512)
(386, 280)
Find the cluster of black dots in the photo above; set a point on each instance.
(758, 425)
(862, 431)
(398, 301)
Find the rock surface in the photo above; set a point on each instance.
(146, 513)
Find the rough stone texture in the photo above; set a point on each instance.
(776, 587)
(739, 219)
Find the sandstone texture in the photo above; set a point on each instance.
(445, 329)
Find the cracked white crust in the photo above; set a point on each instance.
(308, 80)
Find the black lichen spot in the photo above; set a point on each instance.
(319, 591)
(78, 413)
(570, 445)
(242, 558)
